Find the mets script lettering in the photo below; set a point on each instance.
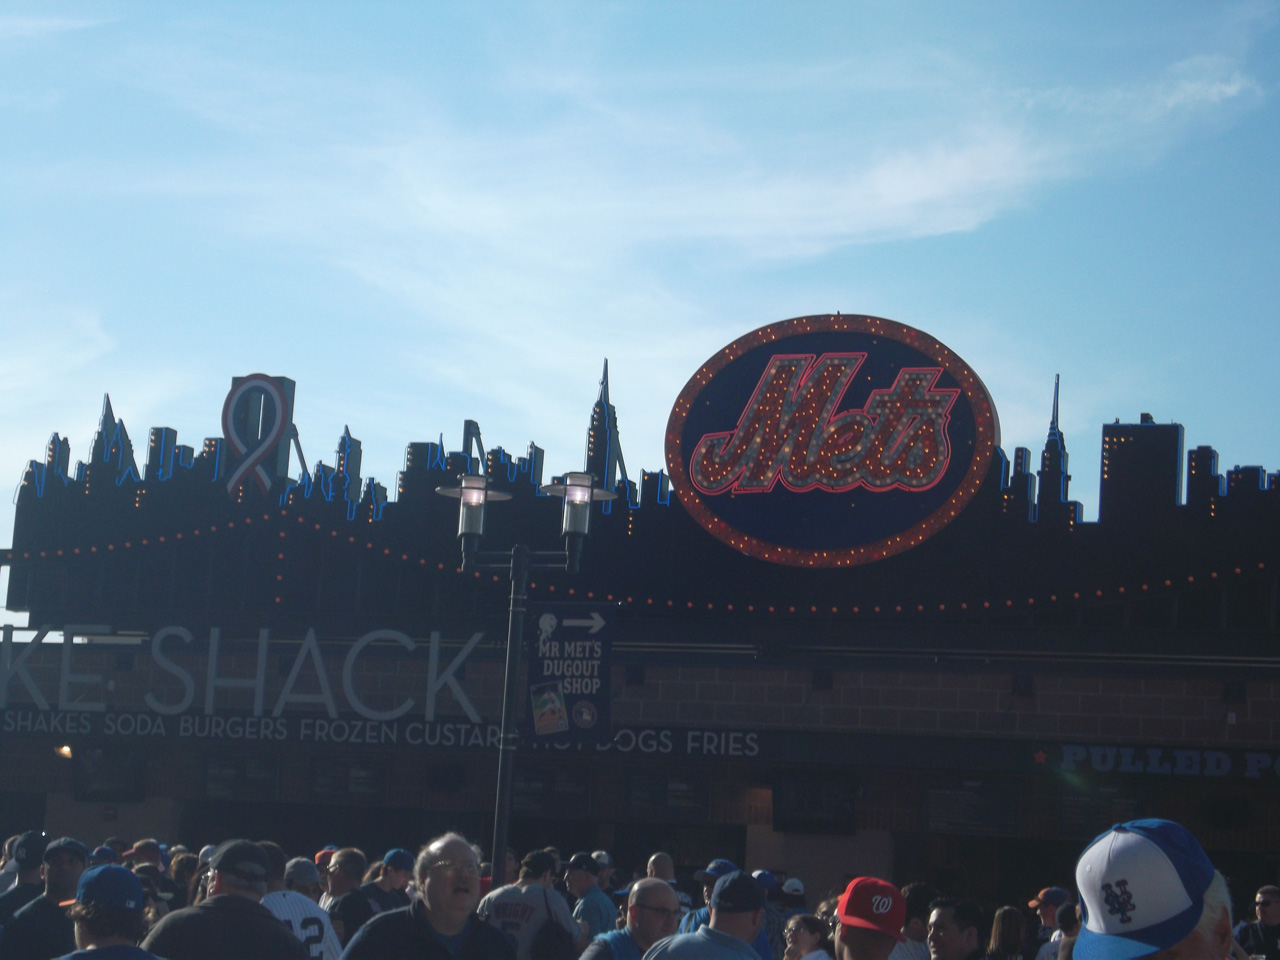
(790, 431)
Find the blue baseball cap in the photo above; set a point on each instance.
(104, 855)
(766, 879)
(398, 859)
(715, 870)
(109, 886)
(1142, 887)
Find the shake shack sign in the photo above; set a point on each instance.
(830, 440)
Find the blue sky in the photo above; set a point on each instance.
(425, 212)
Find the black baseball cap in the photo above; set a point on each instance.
(28, 849)
(66, 845)
(583, 861)
(241, 858)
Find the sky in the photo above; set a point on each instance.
(430, 212)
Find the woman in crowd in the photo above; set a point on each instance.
(807, 938)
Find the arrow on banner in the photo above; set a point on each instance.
(595, 622)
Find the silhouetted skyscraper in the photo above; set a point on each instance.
(1141, 472)
(604, 449)
(1020, 493)
(1204, 484)
(1052, 505)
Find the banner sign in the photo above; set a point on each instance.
(830, 440)
(569, 673)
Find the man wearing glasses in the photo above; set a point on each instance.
(653, 912)
(441, 923)
(1260, 938)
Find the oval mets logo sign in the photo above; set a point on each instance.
(830, 441)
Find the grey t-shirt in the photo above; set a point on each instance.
(520, 913)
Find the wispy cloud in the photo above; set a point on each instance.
(12, 27)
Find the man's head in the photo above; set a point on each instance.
(397, 869)
(448, 876)
(918, 896)
(1046, 904)
(1266, 905)
(28, 853)
(302, 875)
(275, 864)
(107, 908)
(239, 868)
(604, 867)
(737, 906)
(871, 914)
(346, 869)
(64, 861)
(662, 867)
(538, 866)
(144, 851)
(954, 927)
(1147, 889)
(581, 873)
(710, 876)
(653, 911)
(555, 852)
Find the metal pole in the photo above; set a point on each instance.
(510, 740)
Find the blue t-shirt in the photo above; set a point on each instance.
(704, 944)
(702, 916)
(597, 910)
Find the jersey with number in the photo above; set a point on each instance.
(308, 922)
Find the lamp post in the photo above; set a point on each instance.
(578, 492)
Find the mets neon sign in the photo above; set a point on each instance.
(856, 438)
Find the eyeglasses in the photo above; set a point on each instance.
(665, 912)
(456, 867)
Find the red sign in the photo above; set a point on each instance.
(855, 438)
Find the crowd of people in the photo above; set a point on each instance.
(1142, 889)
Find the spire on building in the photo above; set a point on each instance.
(604, 449)
(1052, 505)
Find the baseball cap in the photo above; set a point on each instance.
(794, 887)
(301, 871)
(28, 850)
(66, 845)
(766, 879)
(398, 859)
(715, 870)
(205, 853)
(108, 885)
(737, 892)
(1053, 896)
(1142, 887)
(873, 904)
(602, 859)
(104, 855)
(583, 861)
(240, 858)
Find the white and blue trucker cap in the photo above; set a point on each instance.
(1142, 887)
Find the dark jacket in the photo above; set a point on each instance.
(39, 931)
(1258, 939)
(222, 927)
(17, 897)
(406, 934)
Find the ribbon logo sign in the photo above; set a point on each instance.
(275, 410)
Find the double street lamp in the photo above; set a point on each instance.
(578, 492)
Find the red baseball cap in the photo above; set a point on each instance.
(873, 905)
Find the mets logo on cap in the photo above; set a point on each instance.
(830, 441)
(1142, 889)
